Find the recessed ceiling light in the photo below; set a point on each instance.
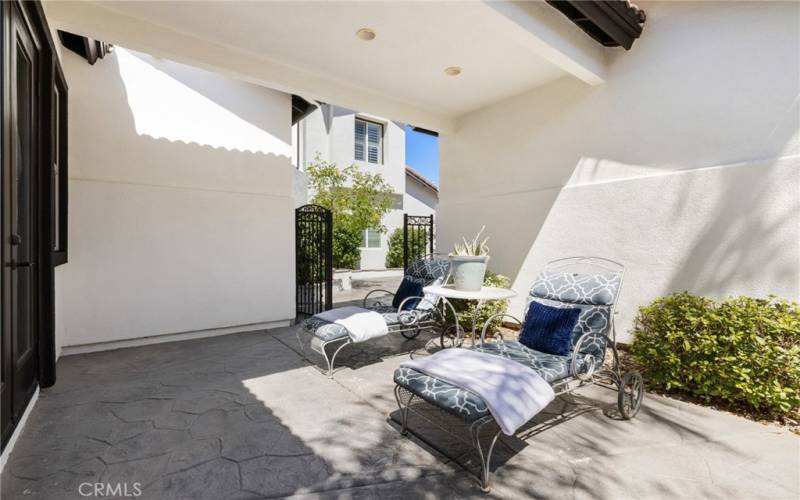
(452, 71)
(365, 34)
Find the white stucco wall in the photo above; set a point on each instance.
(181, 204)
(683, 165)
(419, 199)
(333, 137)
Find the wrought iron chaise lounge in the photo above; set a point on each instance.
(589, 283)
(426, 315)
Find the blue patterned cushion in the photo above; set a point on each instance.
(327, 331)
(594, 294)
(550, 366)
(594, 321)
(452, 399)
(576, 288)
(426, 271)
(407, 289)
(549, 329)
(468, 405)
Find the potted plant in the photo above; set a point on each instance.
(468, 263)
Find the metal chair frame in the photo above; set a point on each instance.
(607, 377)
(411, 323)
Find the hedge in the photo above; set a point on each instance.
(416, 236)
(394, 256)
(744, 351)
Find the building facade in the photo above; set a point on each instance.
(376, 145)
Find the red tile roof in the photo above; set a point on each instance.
(421, 178)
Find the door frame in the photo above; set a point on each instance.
(43, 320)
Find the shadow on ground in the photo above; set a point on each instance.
(244, 416)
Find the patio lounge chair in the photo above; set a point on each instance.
(589, 283)
(411, 316)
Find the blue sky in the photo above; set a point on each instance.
(422, 154)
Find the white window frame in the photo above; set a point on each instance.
(367, 125)
(365, 239)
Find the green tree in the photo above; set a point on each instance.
(358, 201)
(346, 244)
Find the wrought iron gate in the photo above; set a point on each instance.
(314, 259)
(417, 237)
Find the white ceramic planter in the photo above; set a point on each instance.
(468, 271)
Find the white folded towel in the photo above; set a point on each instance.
(513, 392)
(362, 324)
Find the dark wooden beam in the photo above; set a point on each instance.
(425, 131)
(90, 50)
(613, 23)
(87, 48)
(300, 108)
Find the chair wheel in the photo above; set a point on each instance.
(630, 394)
(450, 337)
(410, 334)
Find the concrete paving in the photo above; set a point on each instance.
(244, 416)
(365, 281)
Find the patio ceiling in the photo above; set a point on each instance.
(311, 48)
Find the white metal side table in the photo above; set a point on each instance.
(485, 294)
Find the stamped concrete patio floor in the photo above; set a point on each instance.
(244, 416)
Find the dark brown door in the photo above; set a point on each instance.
(20, 339)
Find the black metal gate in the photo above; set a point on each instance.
(417, 237)
(314, 259)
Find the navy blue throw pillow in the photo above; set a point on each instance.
(549, 329)
(407, 289)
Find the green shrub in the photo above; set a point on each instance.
(466, 308)
(346, 247)
(417, 236)
(394, 256)
(743, 351)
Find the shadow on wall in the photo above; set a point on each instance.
(188, 235)
(715, 231)
(513, 224)
(645, 169)
(750, 234)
